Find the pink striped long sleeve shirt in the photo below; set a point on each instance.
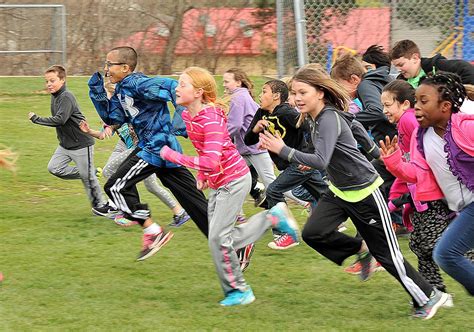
(218, 160)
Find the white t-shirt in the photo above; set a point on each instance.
(457, 195)
(467, 106)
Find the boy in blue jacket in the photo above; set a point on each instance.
(142, 101)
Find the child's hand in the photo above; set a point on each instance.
(304, 168)
(260, 126)
(107, 132)
(271, 143)
(30, 115)
(84, 126)
(389, 146)
(202, 184)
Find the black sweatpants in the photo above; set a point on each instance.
(122, 190)
(372, 220)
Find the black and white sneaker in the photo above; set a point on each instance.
(105, 211)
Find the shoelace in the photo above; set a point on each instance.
(281, 239)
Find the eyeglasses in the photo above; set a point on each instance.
(110, 64)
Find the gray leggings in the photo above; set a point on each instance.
(117, 157)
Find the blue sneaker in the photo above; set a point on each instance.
(282, 221)
(237, 297)
(179, 219)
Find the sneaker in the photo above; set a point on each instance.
(179, 219)
(105, 211)
(152, 243)
(367, 263)
(283, 242)
(449, 302)
(260, 197)
(437, 300)
(121, 221)
(283, 221)
(237, 297)
(356, 267)
(245, 254)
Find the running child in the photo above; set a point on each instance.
(444, 143)
(354, 191)
(221, 169)
(74, 145)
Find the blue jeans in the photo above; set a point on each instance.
(291, 178)
(456, 240)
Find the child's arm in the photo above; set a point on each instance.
(256, 126)
(65, 109)
(392, 158)
(209, 160)
(110, 111)
(107, 132)
(363, 139)
(324, 144)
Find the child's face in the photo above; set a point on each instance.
(392, 108)
(428, 108)
(408, 67)
(267, 98)
(230, 84)
(53, 82)
(114, 69)
(308, 99)
(186, 93)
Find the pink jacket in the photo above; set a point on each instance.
(218, 162)
(416, 171)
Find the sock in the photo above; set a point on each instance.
(180, 213)
(152, 229)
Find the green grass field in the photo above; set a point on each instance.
(65, 269)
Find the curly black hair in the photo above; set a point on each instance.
(450, 88)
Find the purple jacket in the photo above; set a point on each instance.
(242, 111)
(459, 137)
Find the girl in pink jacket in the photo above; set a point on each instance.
(431, 215)
(222, 169)
(444, 144)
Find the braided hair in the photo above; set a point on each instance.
(449, 87)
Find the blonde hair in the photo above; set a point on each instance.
(202, 79)
(469, 91)
(8, 159)
(334, 94)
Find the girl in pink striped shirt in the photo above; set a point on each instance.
(221, 169)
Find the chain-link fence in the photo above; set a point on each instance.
(33, 37)
(333, 27)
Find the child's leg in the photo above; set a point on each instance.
(84, 159)
(121, 187)
(427, 229)
(116, 158)
(182, 185)
(320, 231)
(290, 178)
(372, 219)
(263, 165)
(152, 185)
(456, 240)
(59, 165)
(225, 204)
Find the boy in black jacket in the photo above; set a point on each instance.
(406, 57)
(74, 145)
(279, 118)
